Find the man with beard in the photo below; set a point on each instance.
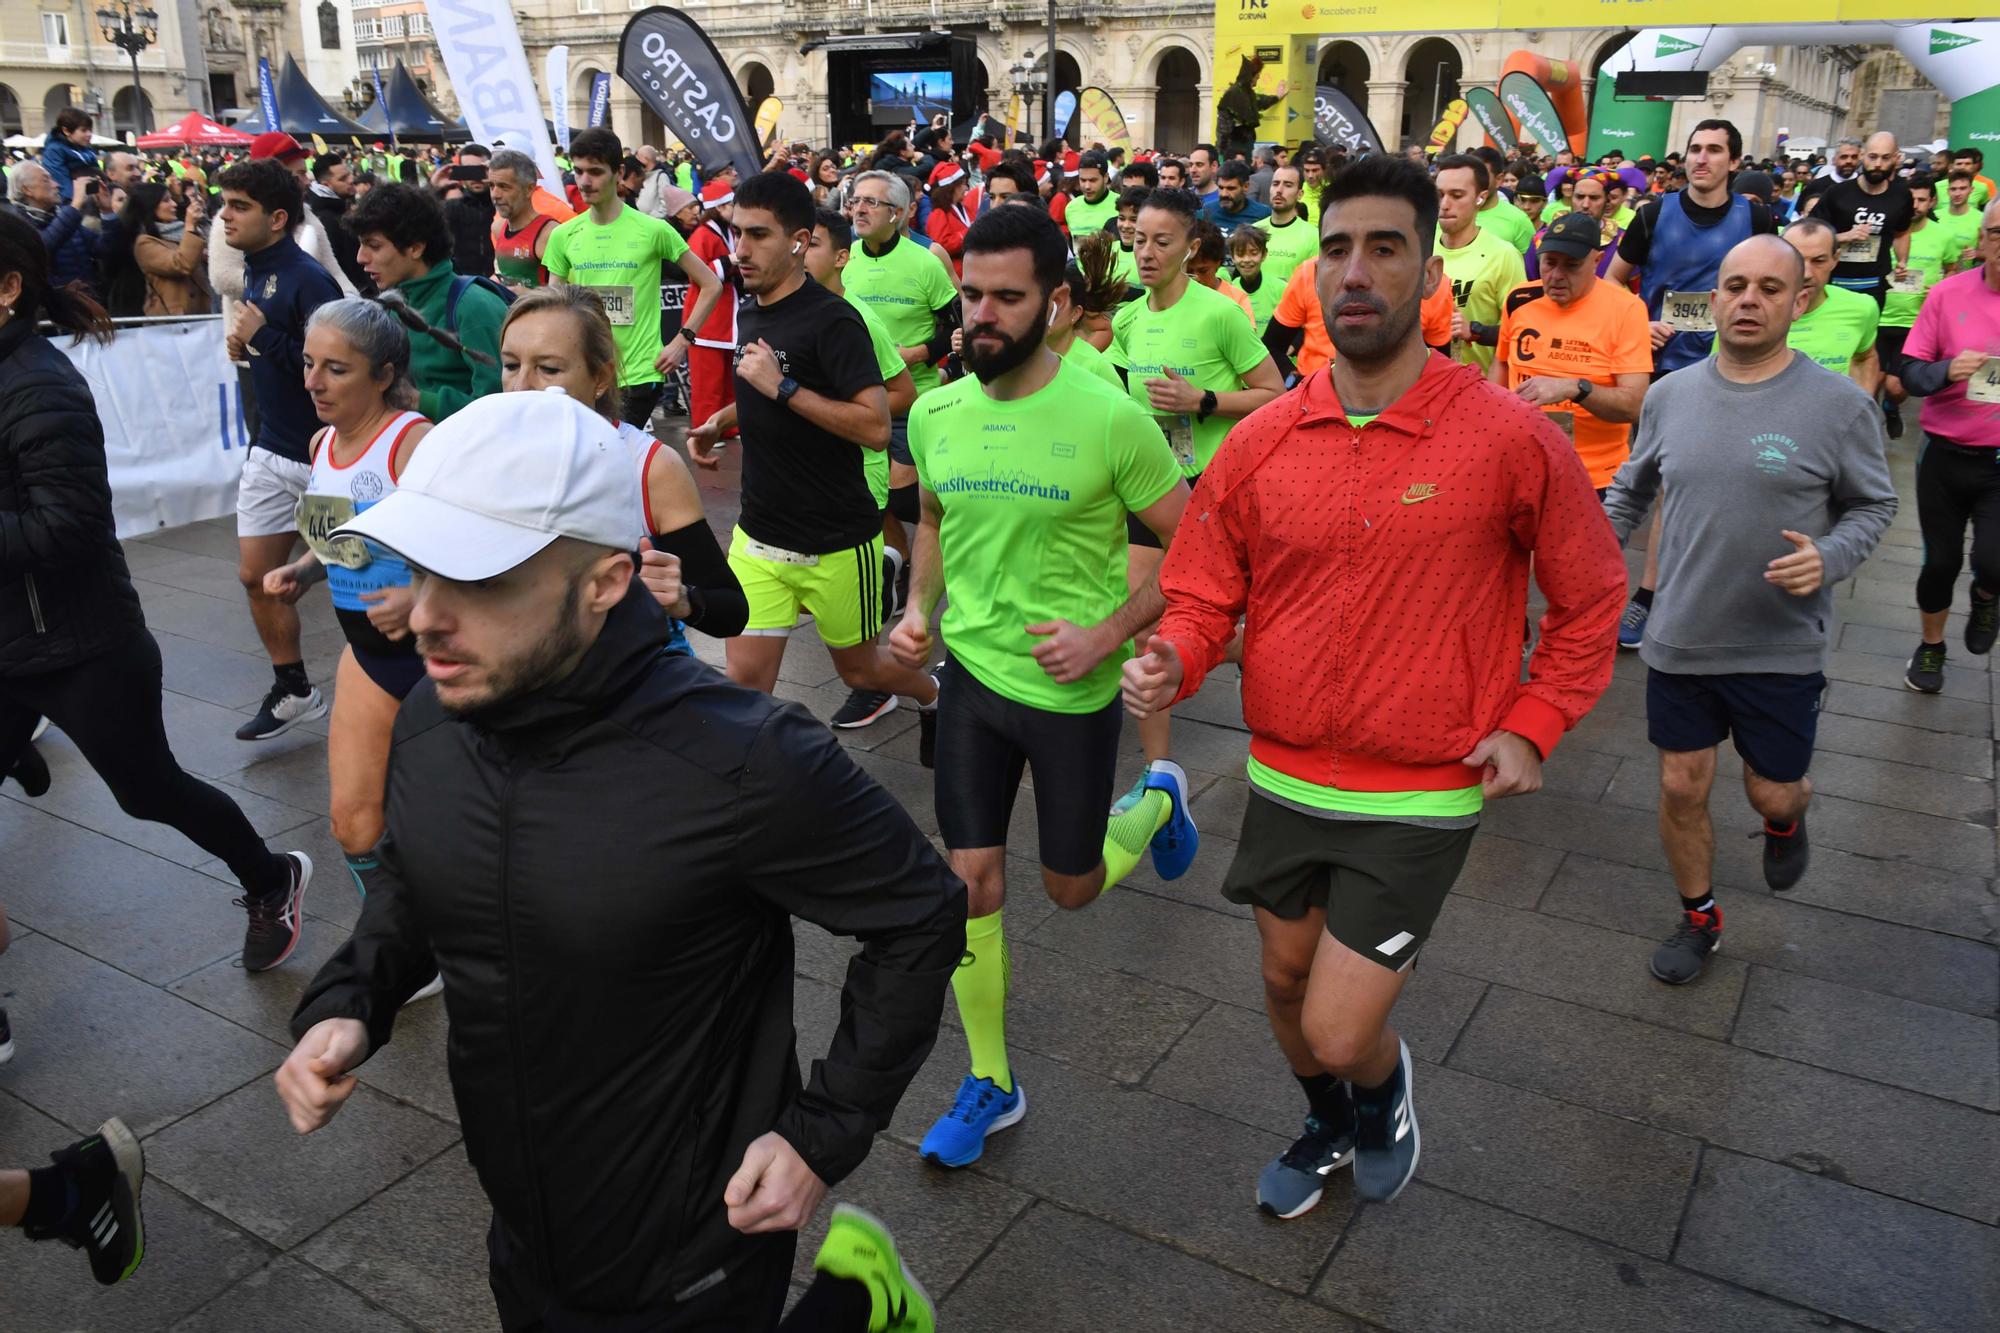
(1871, 217)
(329, 197)
(809, 400)
(1028, 472)
(621, 1005)
(1340, 519)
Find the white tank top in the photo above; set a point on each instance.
(334, 494)
(642, 446)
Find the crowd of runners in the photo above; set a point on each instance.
(1031, 443)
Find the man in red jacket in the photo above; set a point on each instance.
(1374, 528)
(712, 358)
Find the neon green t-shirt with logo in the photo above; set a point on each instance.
(905, 286)
(1263, 301)
(1932, 250)
(889, 364)
(1481, 273)
(1086, 357)
(1125, 266)
(1206, 340)
(1083, 217)
(1964, 228)
(1286, 248)
(1034, 494)
(1840, 329)
(1430, 807)
(621, 261)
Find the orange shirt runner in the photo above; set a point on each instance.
(1599, 338)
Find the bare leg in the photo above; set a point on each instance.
(1289, 949)
(1346, 1017)
(1933, 622)
(357, 755)
(1685, 831)
(1142, 566)
(1779, 802)
(277, 624)
(753, 660)
(868, 666)
(13, 1197)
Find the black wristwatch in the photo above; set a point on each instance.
(1583, 388)
(1207, 405)
(786, 388)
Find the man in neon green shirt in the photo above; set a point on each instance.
(1481, 267)
(1934, 253)
(1498, 214)
(1837, 329)
(1031, 469)
(1961, 219)
(617, 251)
(1290, 238)
(1098, 204)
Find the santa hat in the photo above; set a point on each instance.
(946, 173)
(1041, 172)
(717, 193)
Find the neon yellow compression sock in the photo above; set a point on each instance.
(980, 984)
(1126, 836)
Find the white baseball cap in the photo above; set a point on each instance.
(499, 480)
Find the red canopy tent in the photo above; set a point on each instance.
(194, 131)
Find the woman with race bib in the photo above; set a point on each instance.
(357, 364)
(560, 338)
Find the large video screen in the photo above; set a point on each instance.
(897, 97)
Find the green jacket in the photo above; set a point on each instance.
(448, 380)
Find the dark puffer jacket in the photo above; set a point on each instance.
(65, 594)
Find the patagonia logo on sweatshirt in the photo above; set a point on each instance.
(1772, 453)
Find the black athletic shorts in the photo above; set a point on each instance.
(1138, 534)
(1889, 347)
(899, 441)
(983, 741)
(1382, 883)
(1771, 718)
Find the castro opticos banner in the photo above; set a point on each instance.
(1337, 121)
(666, 56)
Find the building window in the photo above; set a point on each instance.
(420, 25)
(367, 30)
(392, 26)
(329, 26)
(589, 6)
(55, 29)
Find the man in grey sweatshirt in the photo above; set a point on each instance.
(1777, 488)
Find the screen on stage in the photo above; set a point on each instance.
(897, 97)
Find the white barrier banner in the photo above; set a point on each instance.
(174, 434)
(481, 46)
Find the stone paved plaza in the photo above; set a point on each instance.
(1805, 1139)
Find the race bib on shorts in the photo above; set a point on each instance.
(1688, 312)
(1180, 437)
(1984, 386)
(618, 303)
(318, 517)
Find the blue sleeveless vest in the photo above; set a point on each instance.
(1685, 257)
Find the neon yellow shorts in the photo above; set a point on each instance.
(842, 589)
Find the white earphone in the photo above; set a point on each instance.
(796, 247)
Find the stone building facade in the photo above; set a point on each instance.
(53, 56)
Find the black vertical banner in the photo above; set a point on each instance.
(1338, 122)
(670, 62)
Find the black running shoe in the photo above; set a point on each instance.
(106, 1171)
(1982, 624)
(31, 771)
(927, 732)
(1785, 854)
(1681, 959)
(281, 711)
(1892, 417)
(1925, 673)
(863, 707)
(1386, 1142)
(277, 918)
(6, 1039)
(1292, 1182)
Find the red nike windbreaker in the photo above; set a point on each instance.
(1383, 575)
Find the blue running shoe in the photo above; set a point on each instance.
(1177, 841)
(1386, 1142)
(1632, 625)
(959, 1136)
(1294, 1180)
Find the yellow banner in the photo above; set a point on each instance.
(768, 112)
(1270, 21)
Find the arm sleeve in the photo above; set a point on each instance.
(1921, 379)
(820, 840)
(1578, 567)
(1281, 340)
(382, 964)
(718, 605)
(848, 354)
(1206, 575)
(1863, 494)
(939, 345)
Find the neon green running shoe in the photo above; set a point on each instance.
(860, 1249)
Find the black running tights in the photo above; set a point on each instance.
(110, 707)
(1956, 484)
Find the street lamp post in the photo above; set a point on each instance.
(131, 27)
